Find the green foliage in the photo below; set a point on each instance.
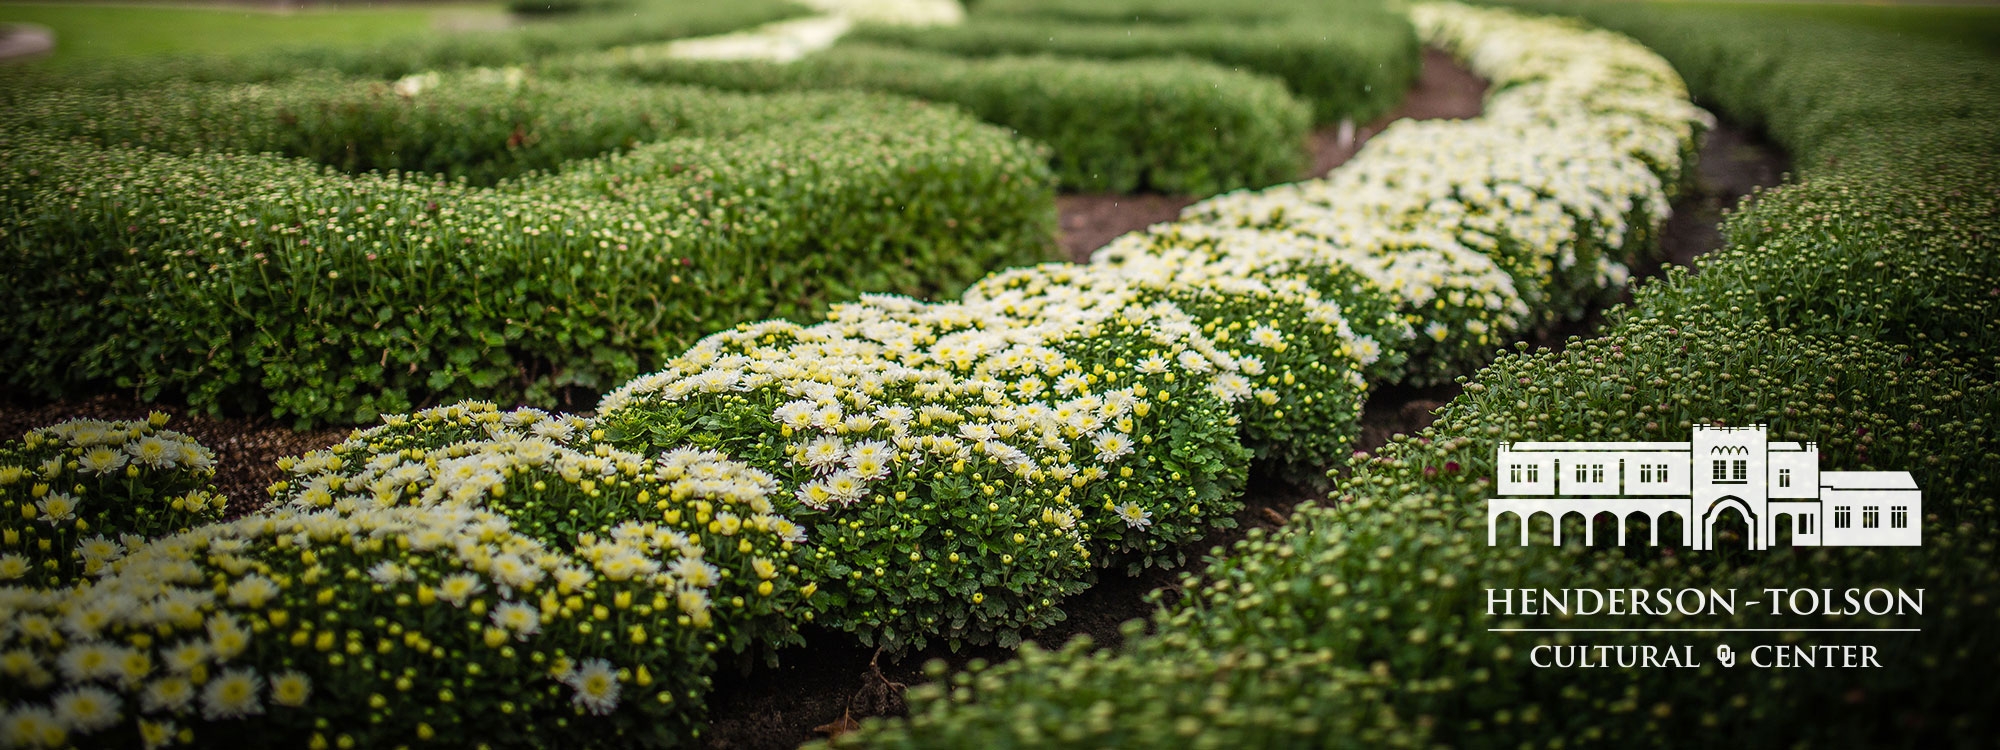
(270, 284)
(1354, 65)
(76, 496)
(1177, 126)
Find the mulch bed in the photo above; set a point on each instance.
(832, 680)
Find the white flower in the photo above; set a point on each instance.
(290, 689)
(388, 573)
(89, 661)
(153, 451)
(102, 460)
(56, 508)
(846, 487)
(458, 588)
(694, 572)
(1111, 445)
(87, 709)
(1266, 336)
(522, 619)
(1135, 516)
(815, 495)
(823, 454)
(232, 695)
(31, 726)
(596, 685)
(252, 591)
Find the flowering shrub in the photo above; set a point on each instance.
(79, 495)
(995, 451)
(1163, 125)
(1297, 359)
(484, 125)
(272, 284)
(377, 627)
(502, 585)
(1560, 184)
(543, 474)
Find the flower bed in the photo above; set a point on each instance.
(272, 284)
(949, 470)
(1359, 621)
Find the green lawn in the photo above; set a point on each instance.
(93, 32)
(1974, 25)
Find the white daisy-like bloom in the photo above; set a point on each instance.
(596, 685)
(89, 661)
(87, 709)
(167, 695)
(13, 566)
(693, 602)
(102, 459)
(846, 487)
(1111, 445)
(520, 619)
(815, 495)
(388, 573)
(514, 571)
(233, 694)
(788, 531)
(695, 572)
(153, 451)
(100, 549)
(459, 588)
(1267, 337)
(290, 689)
(56, 508)
(186, 656)
(823, 454)
(1134, 516)
(31, 726)
(252, 591)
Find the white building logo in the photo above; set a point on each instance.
(1774, 485)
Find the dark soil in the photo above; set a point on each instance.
(833, 679)
(1444, 90)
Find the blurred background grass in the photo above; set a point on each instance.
(88, 32)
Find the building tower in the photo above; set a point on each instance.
(1729, 472)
